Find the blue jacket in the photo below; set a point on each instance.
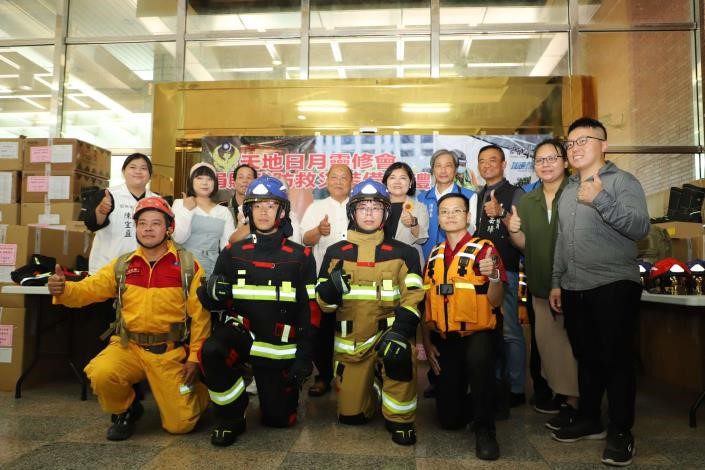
(435, 234)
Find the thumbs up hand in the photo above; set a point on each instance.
(493, 208)
(57, 281)
(324, 226)
(106, 204)
(488, 264)
(189, 201)
(588, 190)
(513, 221)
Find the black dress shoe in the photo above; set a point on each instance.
(124, 424)
(486, 447)
(319, 388)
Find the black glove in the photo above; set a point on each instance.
(219, 288)
(300, 371)
(239, 337)
(395, 351)
(332, 289)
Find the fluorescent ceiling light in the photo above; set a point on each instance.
(425, 107)
(322, 106)
(73, 98)
(400, 50)
(9, 62)
(555, 51)
(276, 59)
(341, 73)
(32, 102)
(482, 65)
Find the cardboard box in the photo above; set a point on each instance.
(17, 345)
(682, 229)
(66, 155)
(688, 249)
(55, 213)
(61, 186)
(9, 186)
(10, 214)
(18, 243)
(11, 153)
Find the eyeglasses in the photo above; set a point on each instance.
(451, 212)
(265, 206)
(549, 160)
(369, 209)
(580, 141)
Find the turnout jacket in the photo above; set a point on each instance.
(153, 298)
(385, 276)
(272, 278)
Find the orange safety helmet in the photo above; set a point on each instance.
(155, 203)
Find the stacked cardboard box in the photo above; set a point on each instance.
(687, 239)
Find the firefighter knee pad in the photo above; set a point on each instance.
(354, 420)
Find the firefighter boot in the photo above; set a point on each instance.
(124, 424)
(226, 431)
(403, 434)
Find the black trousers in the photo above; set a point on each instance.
(601, 324)
(466, 360)
(323, 348)
(222, 366)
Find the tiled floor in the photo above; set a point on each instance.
(51, 428)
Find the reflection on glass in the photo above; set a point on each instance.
(27, 19)
(249, 18)
(657, 172)
(121, 18)
(643, 87)
(368, 57)
(381, 15)
(26, 75)
(256, 59)
(455, 14)
(533, 55)
(108, 91)
(634, 12)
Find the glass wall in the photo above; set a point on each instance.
(642, 60)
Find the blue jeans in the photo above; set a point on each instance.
(514, 342)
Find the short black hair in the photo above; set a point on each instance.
(462, 196)
(409, 172)
(138, 156)
(201, 171)
(244, 165)
(587, 122)
(491, 146)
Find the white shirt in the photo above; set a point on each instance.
(182, 229)
(338, 219)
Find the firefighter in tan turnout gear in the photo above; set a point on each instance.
(374, 287)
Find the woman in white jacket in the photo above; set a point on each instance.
(408, 221)
(202, 226)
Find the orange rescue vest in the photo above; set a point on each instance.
(456, 298)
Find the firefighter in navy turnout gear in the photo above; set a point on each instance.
(262, 286)
(374, 287)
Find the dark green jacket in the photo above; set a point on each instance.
(540, 238)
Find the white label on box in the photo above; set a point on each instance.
(6, 187)
(6, 336)
(10, 150)
(6, 355)
(37, 184)
(59, 187)
(61, 153)
(5, 273)
(8, 253)
(49, 219)
(40, 154)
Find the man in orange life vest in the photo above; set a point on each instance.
(464, 280)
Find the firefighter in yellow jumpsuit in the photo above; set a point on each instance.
(150, 331)
(374, 286)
